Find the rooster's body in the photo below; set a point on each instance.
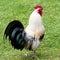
(30, 37)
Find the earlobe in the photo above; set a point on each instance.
(40, 12)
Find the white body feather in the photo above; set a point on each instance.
(35, 28)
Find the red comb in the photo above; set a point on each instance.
(38, 7)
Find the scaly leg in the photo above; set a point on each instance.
(34, 54)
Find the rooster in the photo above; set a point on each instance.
(31, 36)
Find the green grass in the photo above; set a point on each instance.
(21, 10)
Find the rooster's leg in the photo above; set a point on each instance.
(34, 54)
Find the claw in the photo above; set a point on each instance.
(27, 54)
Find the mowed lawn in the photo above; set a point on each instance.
(20, 10)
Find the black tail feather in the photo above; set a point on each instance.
(15, 32)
